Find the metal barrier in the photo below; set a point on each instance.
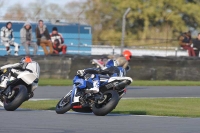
(112, 50)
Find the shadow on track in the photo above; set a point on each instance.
(138, 112)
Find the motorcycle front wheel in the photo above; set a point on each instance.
(63, 105)
(16, 97)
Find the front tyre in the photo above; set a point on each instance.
(106, 105)
(63, 105)
(16, 98)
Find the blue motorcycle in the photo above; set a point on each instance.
(79, 99)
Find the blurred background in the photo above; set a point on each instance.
(152, 27)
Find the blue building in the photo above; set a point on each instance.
(78, 38)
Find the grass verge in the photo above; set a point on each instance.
(165, 83)
(55, 82)
(182, 107)
(67, 82)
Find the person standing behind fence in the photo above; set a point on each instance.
(57, 41)
(43, 37)
(185, 42)
(7, 38)
(196, 45)
(26, 38)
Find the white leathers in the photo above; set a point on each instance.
(10, 66)
(7, 38)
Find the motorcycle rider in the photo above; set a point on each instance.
(121, 61)
(110, 70)
(11, 71)
(7, 38)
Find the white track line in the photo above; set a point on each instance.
(155, 97)
(127, 98)
(42, 99)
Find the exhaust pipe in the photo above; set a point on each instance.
(122, 85)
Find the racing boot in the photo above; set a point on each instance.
(9, 52)
(4, 81)
(1, 103)
(16, 53)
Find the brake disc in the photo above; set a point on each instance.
(11, 94)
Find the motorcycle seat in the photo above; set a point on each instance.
(104, 77)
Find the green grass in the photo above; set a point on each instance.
(67, 82)
(165, 83)
(55, 82)
(182, 107)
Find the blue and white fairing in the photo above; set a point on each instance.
(122, 72)
(79, 83)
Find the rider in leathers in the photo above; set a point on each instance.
(110, 70)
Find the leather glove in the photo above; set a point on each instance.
(80, 72)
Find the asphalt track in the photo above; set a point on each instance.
(30, 121)
(26, 121)
(56, 92)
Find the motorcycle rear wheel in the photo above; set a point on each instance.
(105, 106)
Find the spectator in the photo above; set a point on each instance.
(196, 45)
(7, 38)
(59, 47)
(58, 41)
(185, 42)
(43, 37)
(26, 38)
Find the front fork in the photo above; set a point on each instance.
(6, 93)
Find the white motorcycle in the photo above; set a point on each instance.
(20, 85)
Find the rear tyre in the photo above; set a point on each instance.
(106, 105)
(18, 96)
(63, 105)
